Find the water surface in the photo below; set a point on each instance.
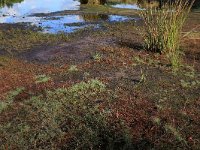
(27, 7)
(126, 6)
(20, 11)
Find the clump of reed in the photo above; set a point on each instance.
(162, 28)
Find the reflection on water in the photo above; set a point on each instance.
(26, 7)
(93, 2)
(19, 11)
(134, 4)
(71, 23)
(15, 11)
(93, 17)
(67, 23)
(138, 4)
(127, 6)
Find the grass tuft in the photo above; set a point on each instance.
(162, 29)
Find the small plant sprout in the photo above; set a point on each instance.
(97, 57)
(139, 60)
(86, 74)
(73, 68)
(143, 76)
(156, 120)
(190, 72)
(42, 79)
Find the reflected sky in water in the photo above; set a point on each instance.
(126, 6)
(67, 23)
(28, 7)
(21, 13)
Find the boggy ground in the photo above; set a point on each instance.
(97, 89)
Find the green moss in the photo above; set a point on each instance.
(106, 9)
(10, 97)
(45, 120)
(17, 40)
(73, 68)
(42, 79)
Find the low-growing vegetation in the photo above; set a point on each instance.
(14, 41)
(101, 88)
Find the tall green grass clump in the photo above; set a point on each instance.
(162, 27)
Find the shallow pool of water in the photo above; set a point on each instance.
(20, 11)
(27, 7)
(67, 23)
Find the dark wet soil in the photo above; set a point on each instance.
(75, 51)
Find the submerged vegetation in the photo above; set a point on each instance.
(100, 88)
